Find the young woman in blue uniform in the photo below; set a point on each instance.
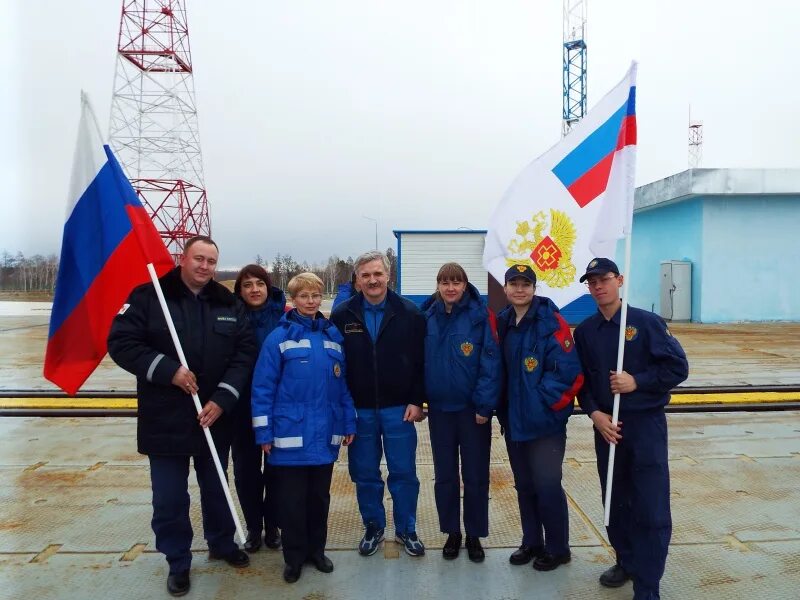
(640, 523)
(302, 414)
(543, 375)
(266, 305)
(462, 383)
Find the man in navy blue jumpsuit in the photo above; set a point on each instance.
(640, 525)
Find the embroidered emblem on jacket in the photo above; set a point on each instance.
(337, 370)
(353, 328)
(531, 363)
(630, 333)
(466, 348)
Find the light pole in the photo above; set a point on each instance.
(376, 228)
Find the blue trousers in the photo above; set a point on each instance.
(169, 476)
(252, 474)
(454, 434)
(536, 466)
(640, 524)
(378, 432)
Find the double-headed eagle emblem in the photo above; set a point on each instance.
(549, 254)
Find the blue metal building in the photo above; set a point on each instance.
(737, 227)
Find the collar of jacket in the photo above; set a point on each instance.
(471, 301)
(393, 305)
(297, 326)
(541, 315)
(276, 302)
(173, 288)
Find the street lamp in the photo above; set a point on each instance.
(376, 228)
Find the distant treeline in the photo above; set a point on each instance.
(332, 272)
(28, 274)
(38, 273)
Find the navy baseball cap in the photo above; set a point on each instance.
(600, 266)
(521, 271)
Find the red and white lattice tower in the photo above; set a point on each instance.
(153, 129)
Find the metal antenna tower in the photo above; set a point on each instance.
(153, 128)
(695, 142)
(574, 79)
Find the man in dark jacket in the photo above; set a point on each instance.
(640, 524)
(384, 340)
(220, 351)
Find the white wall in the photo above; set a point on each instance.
(422, 254)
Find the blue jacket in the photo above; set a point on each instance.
(265, 318)
(463, 367)
(262, 320)
(301, 404)
(543, 373)
(652, 355)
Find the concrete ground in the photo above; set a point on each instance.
(75, 521)
(75, 499)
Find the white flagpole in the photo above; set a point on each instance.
(223, 481)
(623, 319)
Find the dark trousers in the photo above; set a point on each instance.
(169, 476)
(536, 466)
(454, 434)
(640, 524)
(252, 475)
(302, 497)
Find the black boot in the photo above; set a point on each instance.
(452, 546)
(272, 537)
(178, 584)
(253, 542)
(474, 549)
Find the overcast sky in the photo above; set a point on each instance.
(418, 113)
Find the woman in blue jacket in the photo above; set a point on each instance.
(543, 375)
(266, 305)
(302, 414)
(462, 383)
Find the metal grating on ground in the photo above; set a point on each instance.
(75, 513)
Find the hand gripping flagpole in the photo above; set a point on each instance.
(151, 269)
(623, 319)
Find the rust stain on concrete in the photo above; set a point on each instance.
(46, 553)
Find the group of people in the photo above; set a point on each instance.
(285, 388)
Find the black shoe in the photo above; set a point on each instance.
(474, 549)
(253, 541)
(323, 563)
(272, 537)
(452, 546)
(178, 584)
(291, 573)
(524, 554)
(614, 577)
(235, 558)
(548, 562)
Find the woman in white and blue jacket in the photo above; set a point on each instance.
(463, 378)
(302, 414)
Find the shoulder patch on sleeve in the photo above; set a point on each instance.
(125, 307)
(563, 335)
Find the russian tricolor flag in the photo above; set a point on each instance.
(572, 203)
(108, 241)
(586, 169)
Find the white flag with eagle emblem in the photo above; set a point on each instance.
(572, 203)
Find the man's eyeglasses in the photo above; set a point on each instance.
(595, 281)
(307, 297)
